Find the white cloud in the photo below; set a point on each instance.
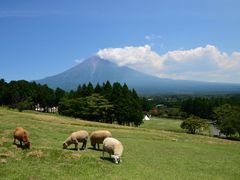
(202, 63)
(141, 58)
(152, 37)
(148, 37)
(79, 60)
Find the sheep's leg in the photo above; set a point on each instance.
(14, 141)
(84, 144)
(76, 145)
(98, 146)
(103, 153)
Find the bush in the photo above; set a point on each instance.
(194, 124)
(24, 105)
(228, 119)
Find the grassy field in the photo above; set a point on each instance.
(163, 124)
(156, 150)
(169, 125)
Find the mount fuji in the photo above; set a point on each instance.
(97, 70)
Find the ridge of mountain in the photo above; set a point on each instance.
(97, 70)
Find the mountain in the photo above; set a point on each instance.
(97, 70)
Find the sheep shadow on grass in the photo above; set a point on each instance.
(95, 149)
(107, 159)
(20, 146)
(74, 149)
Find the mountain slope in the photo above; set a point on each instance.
(97, 70)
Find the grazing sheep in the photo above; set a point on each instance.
(97, 137)
(114, 147)
(75, 138)
(21, 135)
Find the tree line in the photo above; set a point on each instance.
(222, 111)
(26, 95)
(202, 107)
(116, 103)
(103, 103)
(107, 103)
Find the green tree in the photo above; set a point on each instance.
(78, 92)
(107, 90)
(59, 94)
(228, 119)
(94, 108)
(3, 92)
(98, 89)
(24, 105)
(90, 89)
(146, 104)
(99, 108)
(127, 106)
(84, 91)
(19, 93)
(201, 107)
(108, 104)
(46, 96)
(194, 124)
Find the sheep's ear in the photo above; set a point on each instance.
(64, 145)
(24, 134)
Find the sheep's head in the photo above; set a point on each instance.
(116, 159)
(65, 145)
(27, 144)
(26, 140)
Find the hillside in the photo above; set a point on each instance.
(148, 153)
(97, 70)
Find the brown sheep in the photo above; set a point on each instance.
(97, 137)
(22, 136)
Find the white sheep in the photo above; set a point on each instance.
(75, 138)
(114, 147)
(97, 137)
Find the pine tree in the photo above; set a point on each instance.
(90, 89)
(59, 93)
(83, 92)
(107, 90)
(98, 89)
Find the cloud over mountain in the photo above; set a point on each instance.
(202, 63)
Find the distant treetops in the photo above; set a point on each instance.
(223, 112)
(26, 95)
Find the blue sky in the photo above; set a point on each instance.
(181, 39)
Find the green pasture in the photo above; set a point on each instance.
(158, 149)
(163, 124)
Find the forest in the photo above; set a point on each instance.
(116, 103)
(109, 103)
